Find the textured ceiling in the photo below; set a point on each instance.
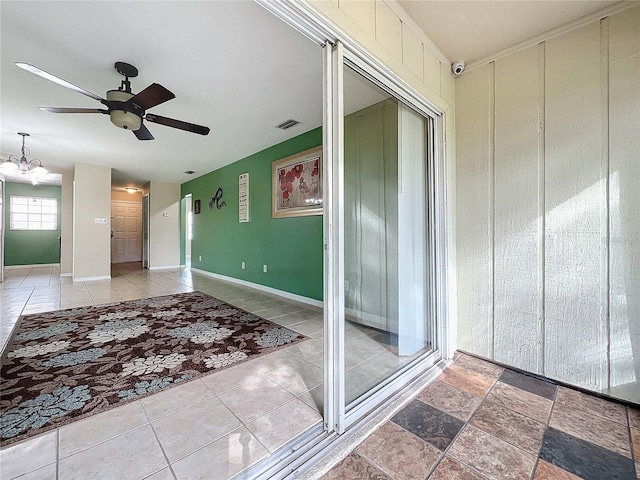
(472, 30)
(233, 67)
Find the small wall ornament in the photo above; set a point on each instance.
(217, 200)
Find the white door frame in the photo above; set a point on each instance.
(146, 261)
(341, 49)
(2, 228)
(304, 18)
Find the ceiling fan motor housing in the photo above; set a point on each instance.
(123, 117)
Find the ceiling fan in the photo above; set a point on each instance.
(125, 109)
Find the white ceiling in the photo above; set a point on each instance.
(233, 67)
(473, 30)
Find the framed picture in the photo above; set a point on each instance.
(297, 184)
(196, 207)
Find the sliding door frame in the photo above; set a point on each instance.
(340, 50)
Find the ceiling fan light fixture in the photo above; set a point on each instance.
(123, 118)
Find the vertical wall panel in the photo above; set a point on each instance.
(388, 28)
(474, 229)
(575, 324)
(363, 12)
(412, 52)
(624, 206)
(567, 252)
(517, 223)
(431, 70)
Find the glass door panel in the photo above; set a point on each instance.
(386, 322)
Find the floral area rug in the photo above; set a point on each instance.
(68, 364)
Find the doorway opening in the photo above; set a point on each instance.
(188, 230)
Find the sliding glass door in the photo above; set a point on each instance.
(381, 268)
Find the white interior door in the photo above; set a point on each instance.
(126, 232)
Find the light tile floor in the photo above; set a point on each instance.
(479, 421)
(211, 428)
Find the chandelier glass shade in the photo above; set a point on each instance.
(22, 164)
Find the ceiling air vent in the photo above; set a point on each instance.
(189, 172)
(288, 124)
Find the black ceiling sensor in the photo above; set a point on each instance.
(125, 109)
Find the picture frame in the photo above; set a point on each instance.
(297, 184)
(196, 207)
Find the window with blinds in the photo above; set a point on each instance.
(33, 213)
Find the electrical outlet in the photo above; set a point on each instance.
(264, 268)
(243, 265)
(346, 284)
(199, 258)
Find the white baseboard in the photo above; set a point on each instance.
(91, 279)
(164, 267)
(257, 286)
(66, 274)
(36, 265)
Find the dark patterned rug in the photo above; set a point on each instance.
(68, 364)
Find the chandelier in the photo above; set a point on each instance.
(23, 165)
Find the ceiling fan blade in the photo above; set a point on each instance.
(153, 95)
(59, 81)
(143, 133)
(73, 110)
(170, 122)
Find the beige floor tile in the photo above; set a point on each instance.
(284, 423)
(164, 474)
(95, 429)
(223, 458)
(274, 361)
(133, 455)
(298, 377)
(213, 420)
(50, 472)
(253, 399)
(229, 378)
(27, 456)
(173, 399)
(307, 348)
(314, 398)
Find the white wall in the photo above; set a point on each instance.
(164, 225)
(66, 225)
(91, 240)
(548, 202)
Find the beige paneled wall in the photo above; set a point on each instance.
(388, 32)
(548, 203)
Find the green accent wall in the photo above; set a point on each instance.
(24, 247)
(290, 247)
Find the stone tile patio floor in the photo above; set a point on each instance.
(481, 421)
